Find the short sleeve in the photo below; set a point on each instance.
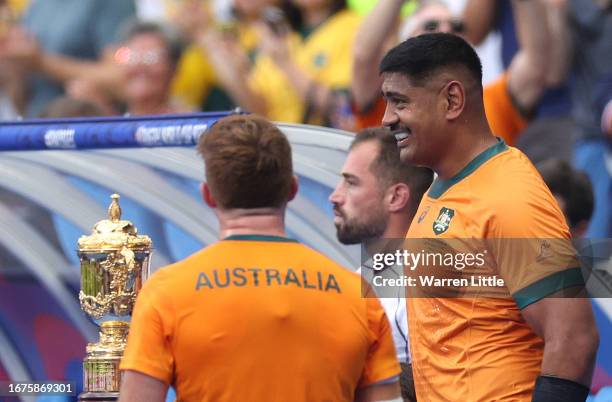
(381, 363)
(533, 250)
(148, 347)
(504, 118)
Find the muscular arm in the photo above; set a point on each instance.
(527, 71)
(138, 387)
(570, 337)
(479, 17)
(374, 31)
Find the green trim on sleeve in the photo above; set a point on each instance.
(547, 286)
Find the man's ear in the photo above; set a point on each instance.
(295, 185)
(454, 94)
(207, 195)
(398, 197)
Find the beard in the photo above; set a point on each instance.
(354, 231)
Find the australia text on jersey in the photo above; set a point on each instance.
(222, 278)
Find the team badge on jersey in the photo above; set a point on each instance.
(443, 220)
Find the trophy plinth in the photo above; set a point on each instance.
(114, 264)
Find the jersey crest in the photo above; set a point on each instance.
(443, 220)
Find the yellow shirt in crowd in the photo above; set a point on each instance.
(326, 55)
(195, 76)
(259, 318)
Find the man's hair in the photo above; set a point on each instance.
(248, 162)
(573, 186)
(421, 57)
(174, 43)
(388, 167)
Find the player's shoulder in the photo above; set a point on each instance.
(493, 174)
(522, 203)
(510, 175)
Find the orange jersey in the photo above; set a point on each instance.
(504, 118)
(479, 348)
(259, 318)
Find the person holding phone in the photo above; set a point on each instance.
(301, 63)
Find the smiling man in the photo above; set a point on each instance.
(526, 346)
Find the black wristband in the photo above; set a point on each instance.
(555, 389)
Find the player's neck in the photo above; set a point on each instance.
(467, 147)
(398, 224)
(256, 221)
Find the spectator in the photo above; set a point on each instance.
(56, 53)
(12, 91)
(549, 133)
(591, 91)
(508, 100)
(148, 59)
(298, 74)
(197, 82)
(604, 104)
(573, 192)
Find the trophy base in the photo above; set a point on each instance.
(99, 396)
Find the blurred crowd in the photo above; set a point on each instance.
(316, 62)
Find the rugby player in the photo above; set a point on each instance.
(256, 316)
(526, 346)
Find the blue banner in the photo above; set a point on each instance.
(106, 132)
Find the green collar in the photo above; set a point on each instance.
(439, 187)
(257, 237)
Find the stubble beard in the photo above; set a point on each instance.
(353, 231)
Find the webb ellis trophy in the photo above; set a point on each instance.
(114, 264)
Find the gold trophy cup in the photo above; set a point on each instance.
(114, 264)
